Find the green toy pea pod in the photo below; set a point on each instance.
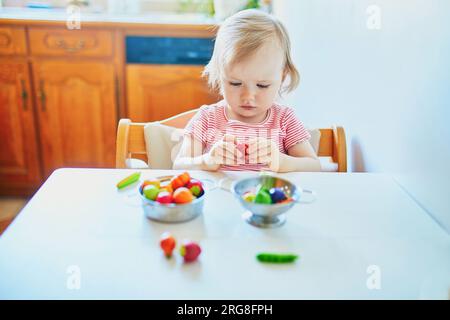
(128, 180)
(276, 257)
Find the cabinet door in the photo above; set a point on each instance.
(19, 164)
(76, 103)
(156, 92)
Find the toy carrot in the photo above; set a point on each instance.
(128, 180)
(276, 257)
(180, 180)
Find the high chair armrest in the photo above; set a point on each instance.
(339, 148)
(123, 130)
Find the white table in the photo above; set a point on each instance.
(78, 226)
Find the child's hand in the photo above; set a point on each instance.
(263, 150)
(225, 152)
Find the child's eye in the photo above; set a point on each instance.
(236, 84)
(263, 86)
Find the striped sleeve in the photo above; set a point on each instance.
(295, 131)
(198, 126)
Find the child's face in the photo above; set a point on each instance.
(251, 86)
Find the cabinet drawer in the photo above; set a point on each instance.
(55, 42)
(12, 40)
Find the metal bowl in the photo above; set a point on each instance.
(173, 213)
(267, 215)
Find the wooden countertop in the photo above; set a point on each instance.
(58, 17)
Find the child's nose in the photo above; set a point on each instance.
(248, 95)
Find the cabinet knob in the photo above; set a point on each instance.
(62, 44)
(24, 95)
(42, 96)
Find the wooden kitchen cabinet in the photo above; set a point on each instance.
(62, 92)
(19, 157)
(156, 92)
(77, 113)
(73, 43)
(12, 40)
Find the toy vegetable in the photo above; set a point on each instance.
(263, 196)
(190, 251)
(276, 257)
(167, 243)
(277, 195)
(128, 180)
(249, 196)
(180, 180)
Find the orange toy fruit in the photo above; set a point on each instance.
(182, 195)
(180, 180)
(154, 182)
(166, 186)
(167, 243)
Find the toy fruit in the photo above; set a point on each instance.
(263, 197)
(166, 186)
(154, 182)
(180, 180)
(190, 250)
(167, 243)
(243, 148)
(287, 200)
(277, 195)
(164, 197)
(150, 192)
(196, 187)
(249, 196)
(182, 195)
(128, 180)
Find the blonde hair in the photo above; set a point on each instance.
(243, 34)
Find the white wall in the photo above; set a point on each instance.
(389, 88)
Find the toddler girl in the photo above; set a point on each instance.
(247, 130)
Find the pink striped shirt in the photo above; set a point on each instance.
(281, 125)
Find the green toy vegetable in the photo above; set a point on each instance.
(263, 197)
(128, 180)
(276, 257)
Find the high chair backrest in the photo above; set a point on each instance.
(130, 141)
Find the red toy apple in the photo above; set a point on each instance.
(164, 197)
(196, 187)
(243, 148)
(190, 250)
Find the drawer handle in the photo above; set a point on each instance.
(63, 45)
(41, 95)
(24, 95)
